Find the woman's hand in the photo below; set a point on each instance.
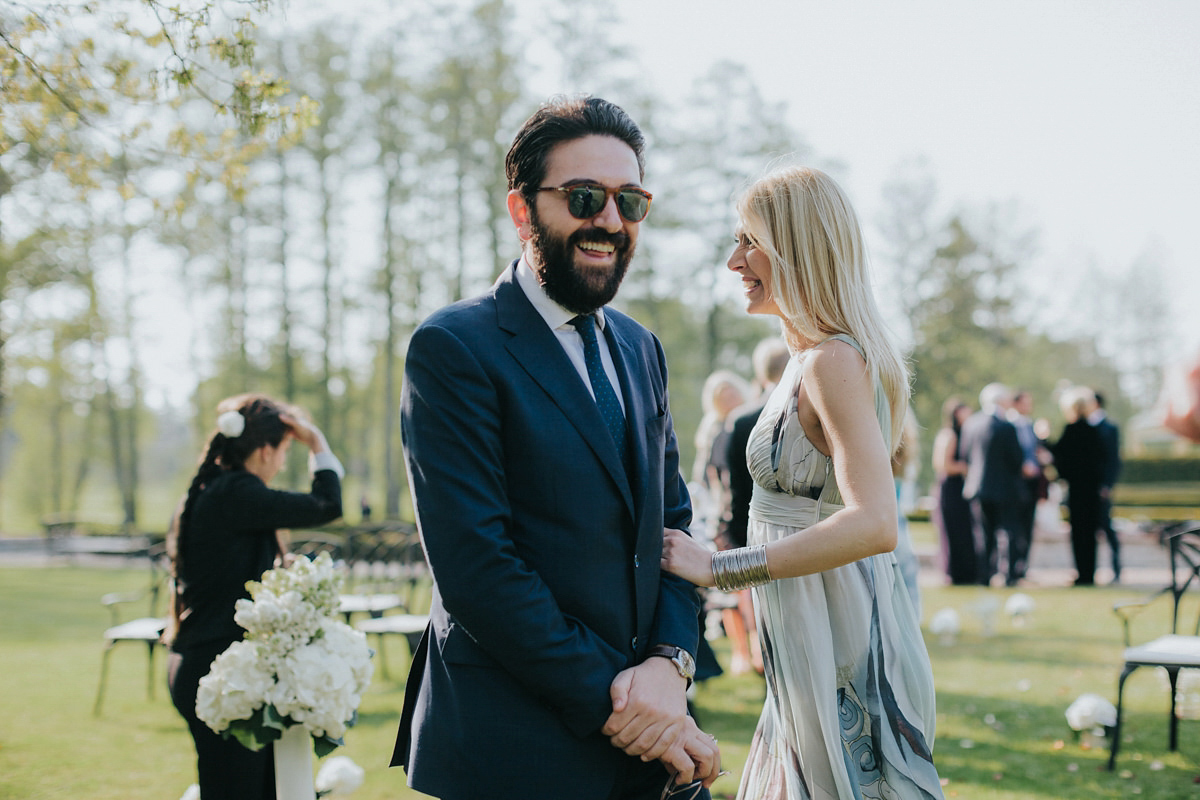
(305, 433)
(684, 556)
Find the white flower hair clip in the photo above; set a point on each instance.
(231, 424)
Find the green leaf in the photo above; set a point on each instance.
(271, 719)
(263, 727)
(324, 745)
(252, 733)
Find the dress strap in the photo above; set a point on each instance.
(848, 339)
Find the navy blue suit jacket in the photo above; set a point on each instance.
(1111, 436)
(544, 549)
(994, 457)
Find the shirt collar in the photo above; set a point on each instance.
(555, 315)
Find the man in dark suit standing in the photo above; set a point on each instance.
(1020, 415)
(994, 485)
(544, 467)
(1079, 460)
(1111, 437)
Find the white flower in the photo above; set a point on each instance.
(235, 686)
(945, 623)
(1091, 711)
(231, 424)
(308, 667)
(338, 776)
(1018, 605)
(316, 690)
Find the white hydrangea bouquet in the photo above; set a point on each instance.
(297, 665)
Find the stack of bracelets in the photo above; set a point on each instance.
(740, 568)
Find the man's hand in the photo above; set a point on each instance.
(697, 759)
(650, 720)
(649, 709)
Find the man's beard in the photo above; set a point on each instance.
(578, 290)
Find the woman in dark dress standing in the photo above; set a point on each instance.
(952, 516)
(224, 535)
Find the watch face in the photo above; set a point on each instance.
(687, 664)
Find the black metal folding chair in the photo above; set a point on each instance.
(1173, 651)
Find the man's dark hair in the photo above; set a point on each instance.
(563, 119)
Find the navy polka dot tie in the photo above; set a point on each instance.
(606, 398)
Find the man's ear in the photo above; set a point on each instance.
(518, 210)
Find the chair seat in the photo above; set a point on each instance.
(370, 603)
(1170, 650)
(146, 629)
(395, 623)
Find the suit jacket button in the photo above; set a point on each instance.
(636, 562)
(634, 643)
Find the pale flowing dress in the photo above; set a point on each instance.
(850, 702)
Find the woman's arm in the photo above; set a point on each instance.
(840, 393)
(838, 398)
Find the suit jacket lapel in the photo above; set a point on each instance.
(537, 350)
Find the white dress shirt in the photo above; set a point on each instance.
(559, 321)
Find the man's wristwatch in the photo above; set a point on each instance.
(681, 658)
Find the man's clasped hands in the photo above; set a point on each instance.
(650, 721)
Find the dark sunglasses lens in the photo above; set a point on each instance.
(632, 205)
(585, 202)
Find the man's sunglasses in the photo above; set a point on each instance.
(586, 200)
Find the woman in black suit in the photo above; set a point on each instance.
(224, 535)
(1079, 460)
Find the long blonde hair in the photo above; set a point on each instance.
(820, 279)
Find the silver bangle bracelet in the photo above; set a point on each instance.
(740, 568)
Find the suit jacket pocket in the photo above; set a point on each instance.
(656, 427)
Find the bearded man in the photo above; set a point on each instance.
(544, 467)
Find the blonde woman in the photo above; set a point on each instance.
(850, 704)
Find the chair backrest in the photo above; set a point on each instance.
(160, 577)
(387, 559)
(1183, 539)
(310, 543)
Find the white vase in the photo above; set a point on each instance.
(294, 765)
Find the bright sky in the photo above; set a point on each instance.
(1084, 112)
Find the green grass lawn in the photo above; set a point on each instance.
(1001, 699)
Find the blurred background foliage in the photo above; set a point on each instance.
(195, 203)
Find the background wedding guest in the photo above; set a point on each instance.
(1111, 436)
(994, 485)
(723, 391)
(1079, 460)
(224, 535)
(952, 513)
(1031, 472)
